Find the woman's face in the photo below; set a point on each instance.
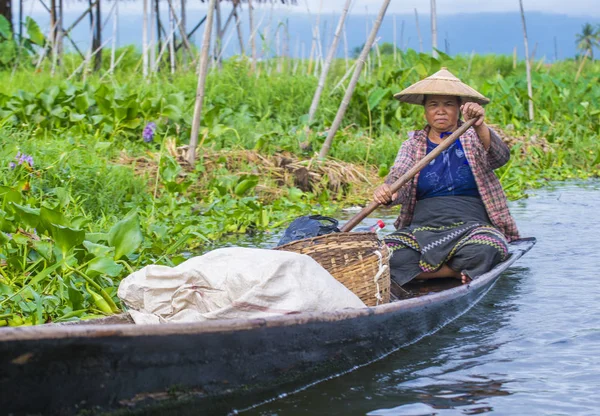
(441, 111)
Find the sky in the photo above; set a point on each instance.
(464, 26)
(444, 7)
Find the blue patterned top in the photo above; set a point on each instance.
(447, 174)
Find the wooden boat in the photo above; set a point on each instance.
(113, 365)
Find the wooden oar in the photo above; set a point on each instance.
(403, 180)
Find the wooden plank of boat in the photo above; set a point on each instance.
(62, 369)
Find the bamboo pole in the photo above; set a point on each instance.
(60, 31)
(202, 70)
(395, 35)
(88, 56)
(346, 57)
(145, 38)
(180, 26)
(53, 35)
(402, 37)
(238, 28)
(161, 35)
(515, 58)
(434, 43)
(85, 63)
(114, 37)
(532, 58)
(219, 34)
(183, 30)
(359, 65)
(164, 47)
(152, 38)
(328, 61)
(252, 36)
(98, 38)
(171, 41)
(419, 32)
(527, 62)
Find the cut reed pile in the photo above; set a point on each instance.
(276, 172)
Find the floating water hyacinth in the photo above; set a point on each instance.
(148, 133)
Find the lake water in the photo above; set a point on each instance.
(531, 346)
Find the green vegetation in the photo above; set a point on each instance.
(93, 187)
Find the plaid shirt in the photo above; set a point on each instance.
(482, 164)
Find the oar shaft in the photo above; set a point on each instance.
(404, 179)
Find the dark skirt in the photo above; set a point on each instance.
(452, 230)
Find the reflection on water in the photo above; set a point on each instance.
(531, 346)
(418, 374)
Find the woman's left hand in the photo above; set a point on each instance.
(473, 110)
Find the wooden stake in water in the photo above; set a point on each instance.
(394, 36)
(419, 32)
(328, 61)
(238, 28)
(170, 40)
(355, 77)
(145, 38)
(252, 36)
(114, 36)
(202, 71)
(527, 62)
(434, 43)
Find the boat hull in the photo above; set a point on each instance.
(64, 369)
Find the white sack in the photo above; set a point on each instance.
(231, 283)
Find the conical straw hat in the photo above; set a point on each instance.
(442, 82)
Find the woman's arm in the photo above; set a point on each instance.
(404, 161)
(497, 151)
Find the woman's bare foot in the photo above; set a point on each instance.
(445, 271)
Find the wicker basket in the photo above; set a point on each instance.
(352, 258)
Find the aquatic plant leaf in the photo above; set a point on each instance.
(65, 237)
(5, 30)
(33, 32)
(104, 266)
(98, 250)
(27, 215)
(44, 248)
(96, 237)
(126, 236)
(245, 185)
(376, 96)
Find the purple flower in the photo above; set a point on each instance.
(12, 165)
(148, 133)
(22, 158)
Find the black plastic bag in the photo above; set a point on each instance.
(307, 227)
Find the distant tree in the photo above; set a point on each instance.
(588, 39)
(386, 48)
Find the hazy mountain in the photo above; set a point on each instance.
(459, 34)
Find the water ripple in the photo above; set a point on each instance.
(531, 346)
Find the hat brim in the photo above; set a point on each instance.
(440, 83)
(419, 99)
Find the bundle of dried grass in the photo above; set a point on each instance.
(276, 172)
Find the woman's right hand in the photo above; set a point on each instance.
(383, 195)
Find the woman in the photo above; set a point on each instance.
(454, 220)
